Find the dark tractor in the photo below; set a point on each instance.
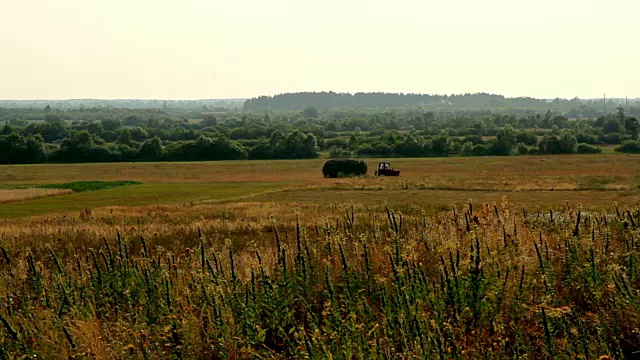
(384, 169)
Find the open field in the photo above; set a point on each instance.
(137, 195)
(429, 200)
(518, 257)
(489, 173)
(174, 173)
(426, 183)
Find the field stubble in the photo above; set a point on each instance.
(14, 195)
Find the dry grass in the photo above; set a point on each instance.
(476, 173)
(13, 195)
(439, 199)
(576, 288)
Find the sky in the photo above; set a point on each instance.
(201, 49)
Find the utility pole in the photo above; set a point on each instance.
(605, 103)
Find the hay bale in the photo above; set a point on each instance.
(344, 167)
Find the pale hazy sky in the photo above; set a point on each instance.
(193, 49)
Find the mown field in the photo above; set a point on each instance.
(427, 183)
(518, 257)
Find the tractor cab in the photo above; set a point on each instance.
(385, 169)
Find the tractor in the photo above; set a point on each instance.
(384, 169)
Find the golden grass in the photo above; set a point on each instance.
(487, 173)
(13, 195)
(176, 225)
(247, 227)
(188, 172)
(437, 199)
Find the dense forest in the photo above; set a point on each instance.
(330, 100)
(112, 134)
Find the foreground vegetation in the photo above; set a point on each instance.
(229, 281)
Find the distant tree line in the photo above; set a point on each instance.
(198, 105)
(50, 135)
(378, 100)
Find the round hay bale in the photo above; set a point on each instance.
(344, 167)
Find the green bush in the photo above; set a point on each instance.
(527, 137)
(480, 150)
(629, 146)
(588, 149)
(522, 149)
(378, 149)
(338, 152)
(612, 138)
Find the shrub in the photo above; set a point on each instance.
(522, 149)
(527, 138)
(586, 138)
(338, 152)
(534, 151)
(629, 146)
(588, 149)
(344, 167)
(612, 138)
(564, 144)
(467, 149)
(480, 150)
(473, 139)
(378, 149)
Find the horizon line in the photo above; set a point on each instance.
(316, 92)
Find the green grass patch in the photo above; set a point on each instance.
(82, 186)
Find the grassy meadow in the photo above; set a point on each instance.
(517, 257)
